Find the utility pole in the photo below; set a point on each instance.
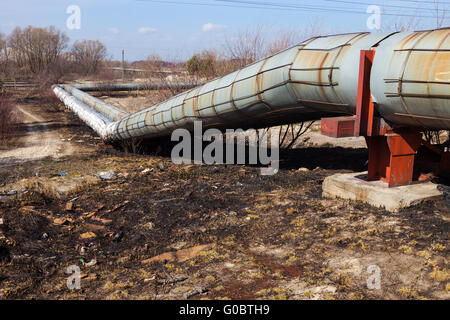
(123, 65)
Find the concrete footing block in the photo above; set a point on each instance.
(354, 186)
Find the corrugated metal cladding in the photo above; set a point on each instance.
(317, 78)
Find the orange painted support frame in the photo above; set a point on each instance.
(391, 157)
(338, 127)
(362, 124)
(392, 152)
(364, 104)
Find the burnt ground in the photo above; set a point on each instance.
(156, 230)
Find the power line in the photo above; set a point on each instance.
(282, 7)
(422, 1)
(206, 4)
(382, 5)
(317, 8)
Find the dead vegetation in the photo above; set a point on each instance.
(8, 116)
(152, 230)
(216, 232)
(140, 227)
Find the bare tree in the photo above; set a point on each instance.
(89, 55)
(284, 39)
(247, 47)
(36, 50)
(440, 12)
(3, 56)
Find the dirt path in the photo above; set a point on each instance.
(40, 140)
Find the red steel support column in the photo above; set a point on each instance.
(364, 104)
(391, 152)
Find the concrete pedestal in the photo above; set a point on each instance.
(354, 186)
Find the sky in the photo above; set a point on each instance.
(176, 29)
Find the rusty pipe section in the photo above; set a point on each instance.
(316, 79)
(410, 79)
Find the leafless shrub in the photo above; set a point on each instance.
(132, 145)
(414, 21)
(436, 136)
(104, 75)
(7, 116)
(289, 134)
(247, 47)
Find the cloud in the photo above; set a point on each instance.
(146, 30)
(211, 27)
(114, 30)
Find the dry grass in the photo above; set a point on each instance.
(53, 188)
(7, 116)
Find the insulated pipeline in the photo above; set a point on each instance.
(318, 78)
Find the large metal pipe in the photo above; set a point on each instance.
(410, 79)
(318, 78)
(134, 86)
(108, 110)
(97, 121)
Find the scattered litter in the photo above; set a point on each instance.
(161, 166)
(106, 175)
(148, 225)
(146, 171)
(149, 279)
(123, 174)
(118, 236)
(1, 221)
(44, 236)
(303, 170)
(69, 206)
(195, 292)
(63, 174)
(88, 235)
(92, 263)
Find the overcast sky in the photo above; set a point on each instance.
(175, 29)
